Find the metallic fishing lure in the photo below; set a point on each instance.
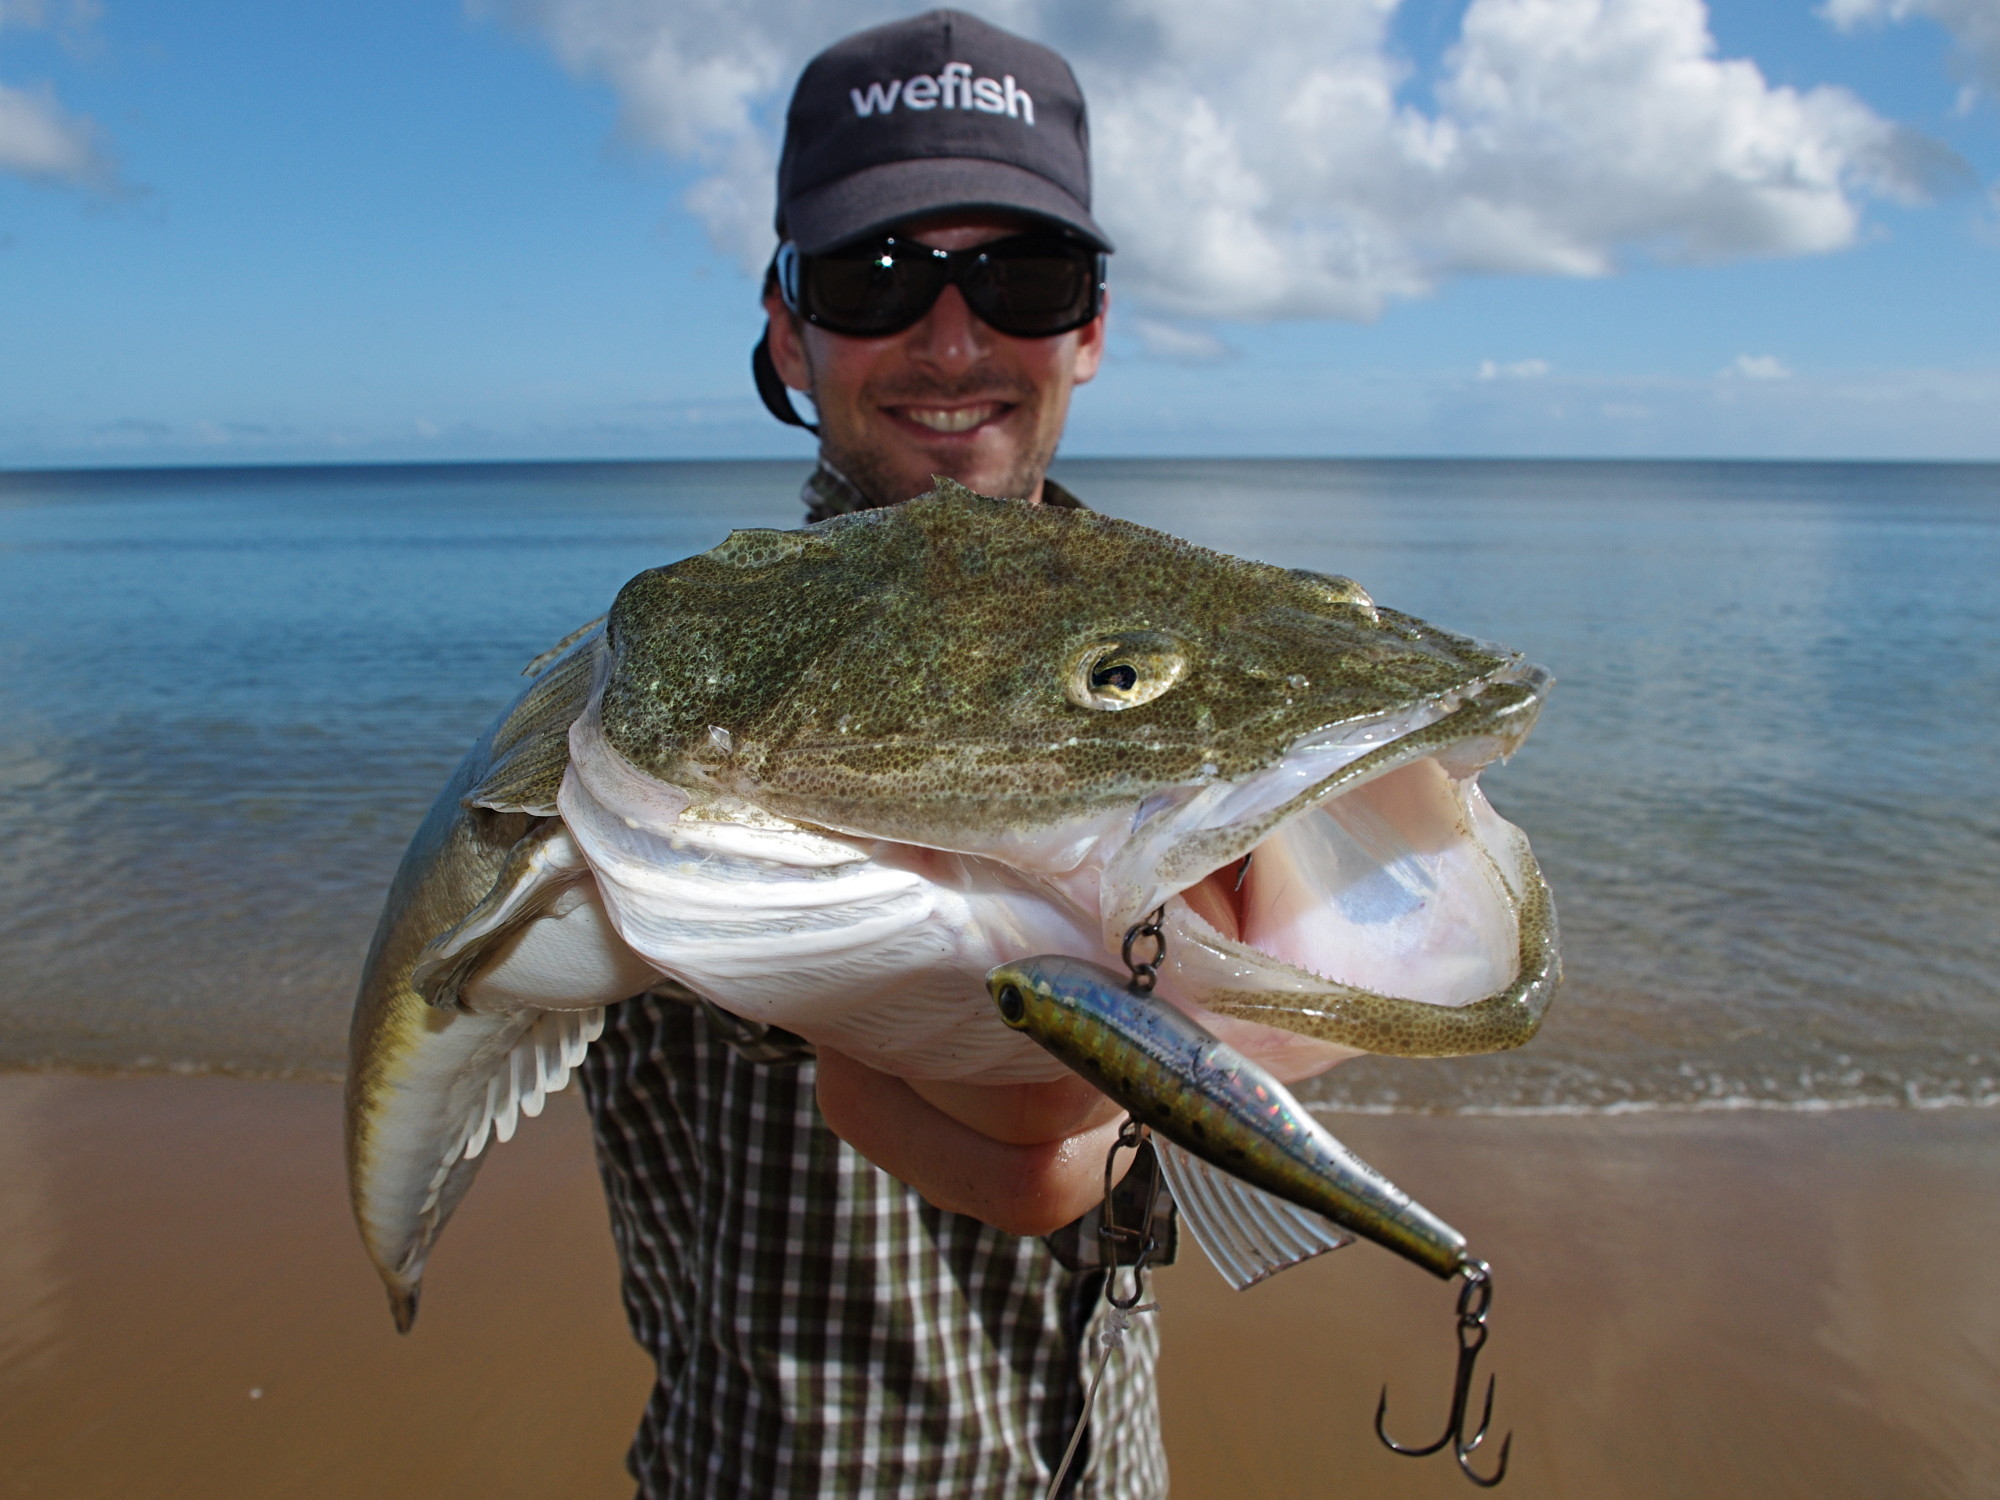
(1177, 1078)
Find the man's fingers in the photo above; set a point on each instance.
(1025, 1190)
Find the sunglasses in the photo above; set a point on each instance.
(1028, 285)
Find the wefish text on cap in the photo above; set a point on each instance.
(953, 88)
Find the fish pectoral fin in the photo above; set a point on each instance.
(1247, 1233)
(538, 870)
(535, 1057)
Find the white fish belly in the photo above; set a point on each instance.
(880, 951)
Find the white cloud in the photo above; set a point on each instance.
(1758, 367)
(73, 18)
(1520, 369)
(39, 139)
(703, 80)
(1974, 26)
(1177, 342)
(1262, 161)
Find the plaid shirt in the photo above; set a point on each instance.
(818, 1328)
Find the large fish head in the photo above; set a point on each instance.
(1126, 716)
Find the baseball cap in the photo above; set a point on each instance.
(936, 113)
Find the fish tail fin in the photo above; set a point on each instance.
(403, 1306)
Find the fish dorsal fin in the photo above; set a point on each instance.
(1246, 1232)
(535, 667)
(530, 745)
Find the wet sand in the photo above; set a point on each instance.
(1748, 1304)
(1687, 1305)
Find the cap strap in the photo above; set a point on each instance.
(777, 396)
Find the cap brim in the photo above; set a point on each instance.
(873, 199)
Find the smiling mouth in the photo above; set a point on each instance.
(951, 419)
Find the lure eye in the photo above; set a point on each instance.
(1125, 670)
(1013, 1005)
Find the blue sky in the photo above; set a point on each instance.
(252, 233)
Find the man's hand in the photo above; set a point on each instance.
(1025, 1158)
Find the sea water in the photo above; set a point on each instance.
(1766, 788)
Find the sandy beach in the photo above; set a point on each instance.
(1754, 1304)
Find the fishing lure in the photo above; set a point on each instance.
(1263, 1184)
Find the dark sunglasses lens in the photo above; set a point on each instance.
(1029, 287)
(876, 291)
(1032, 292)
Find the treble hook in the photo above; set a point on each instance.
(1474, 1298)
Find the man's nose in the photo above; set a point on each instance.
(949, 337)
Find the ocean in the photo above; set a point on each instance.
(1764, 788)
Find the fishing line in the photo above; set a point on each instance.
(1112, 1336)
(1113, 1238)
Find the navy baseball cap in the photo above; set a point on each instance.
(939, 113)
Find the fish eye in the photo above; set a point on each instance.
(1013, 1006)
(1125, 670)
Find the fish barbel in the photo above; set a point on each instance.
(1172, 1074)
(828, 778)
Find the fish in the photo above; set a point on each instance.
(1218, 1107)
(828, 778)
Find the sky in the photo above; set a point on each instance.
(393, 230)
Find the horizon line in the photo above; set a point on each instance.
(362, 465)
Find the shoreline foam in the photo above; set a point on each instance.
(1909, 1099)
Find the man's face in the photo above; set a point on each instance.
(948, 395)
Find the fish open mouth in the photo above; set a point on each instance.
(1364, 892)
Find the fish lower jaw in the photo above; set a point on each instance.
(1201, 959)
(1402, 889)
(1204, 961)
(1448, 951)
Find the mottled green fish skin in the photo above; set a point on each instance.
(1175, 1076)
(902, 672)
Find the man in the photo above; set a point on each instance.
(835, 1270)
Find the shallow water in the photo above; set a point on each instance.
(1763, 789)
